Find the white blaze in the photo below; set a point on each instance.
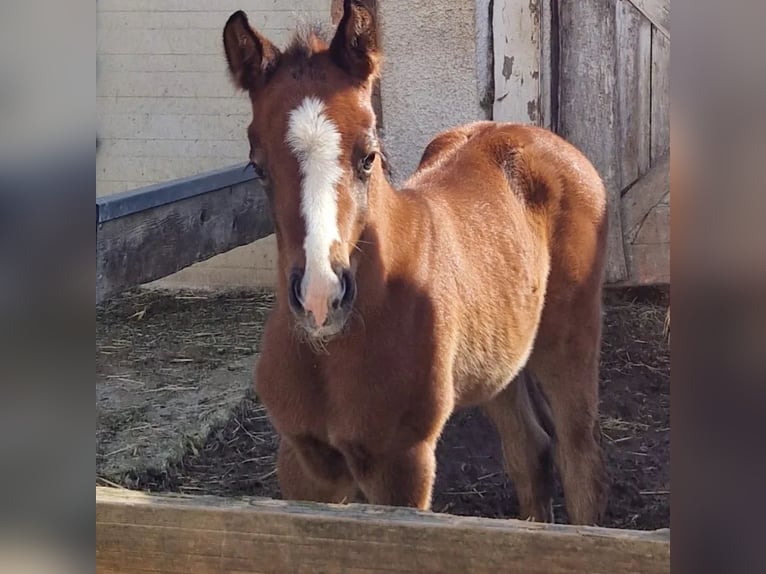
(315, 141)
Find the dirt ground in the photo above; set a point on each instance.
(177, 341)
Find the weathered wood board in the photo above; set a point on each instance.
(611, 59)
(151, 234)
(516, 45)
(650, 264)
(588, 104)
(634, 44)
(136, 532)
(645, 195)
(645, 212)
(657, 12)
(660, 95)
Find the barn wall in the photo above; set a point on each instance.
(166, 108)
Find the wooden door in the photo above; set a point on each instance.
(597, 72)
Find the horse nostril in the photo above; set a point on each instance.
(348, 288)
(294, 290)
(336, 303)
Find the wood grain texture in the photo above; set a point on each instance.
(646, 220)
(660, 95)
(657, 12)
(516, 44)
(588, 104)
(655, 229)
(157, 242)
(136, 532)
(643, 196)
(634, 45)
(649, 265)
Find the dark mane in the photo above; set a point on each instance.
(306, 40)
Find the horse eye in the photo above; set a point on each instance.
(366, 164)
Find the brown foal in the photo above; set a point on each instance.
(476, 283)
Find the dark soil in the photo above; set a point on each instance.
(238, 457)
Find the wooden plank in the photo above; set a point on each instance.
(643, 196)
(649, 265)
(587, 104)
(655, 229)
(657, 12)
(660, 95)
(136, 532)
(646, 220)
(157, 241)
(634, 44)
(516, 47)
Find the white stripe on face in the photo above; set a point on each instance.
(315, 141)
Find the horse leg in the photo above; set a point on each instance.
(565, 362)
(527, 446)
(310, 470)
(403, 476)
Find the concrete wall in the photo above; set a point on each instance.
(166, 108)
(436, 73)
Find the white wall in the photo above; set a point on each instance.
(166, 108)
(434, 76)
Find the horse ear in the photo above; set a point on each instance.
(251, 57)
(355, 47)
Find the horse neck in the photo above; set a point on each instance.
(395, 223)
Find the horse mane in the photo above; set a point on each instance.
(307, 39)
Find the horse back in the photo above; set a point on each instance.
(524, 215)
(539, 165)
(523, 173)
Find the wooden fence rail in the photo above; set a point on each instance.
(159, 533)
(152, 232)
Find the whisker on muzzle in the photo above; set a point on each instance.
(357, 315)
